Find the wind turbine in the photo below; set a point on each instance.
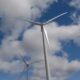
(44, 34)
(27, 64)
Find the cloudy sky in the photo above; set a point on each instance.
(20, 38)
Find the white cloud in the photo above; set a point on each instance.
(75, 3)
(32, 45)
(22, 7)
(60, 66)
(11, 49)
(11, 67)
(11, 11)
(76, 17)
(32, 40)
(76, 14)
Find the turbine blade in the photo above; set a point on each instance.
(33, 62)
(55, 18)
(46, 35)
(30, 21)
(24, 61)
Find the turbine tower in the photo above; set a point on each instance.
(44, 34)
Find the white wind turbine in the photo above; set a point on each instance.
(27, 65)
(44, 34)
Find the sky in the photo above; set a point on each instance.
(21, 39)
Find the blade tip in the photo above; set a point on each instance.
(66, 12)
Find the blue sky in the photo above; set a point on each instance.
(13, 37)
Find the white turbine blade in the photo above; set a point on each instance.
(30, 21)
(46, 35)
(55, 18)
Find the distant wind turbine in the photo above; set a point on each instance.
(27, 64)
(44, 34)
